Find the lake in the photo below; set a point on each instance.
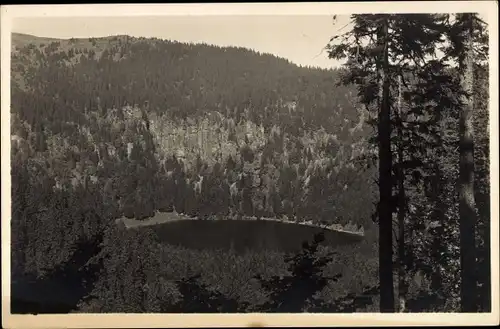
(241, 235)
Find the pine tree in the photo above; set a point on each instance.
(385, 206)
(379, 49)
(295, 292)
(468, 47)
(401, 197)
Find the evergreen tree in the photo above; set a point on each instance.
(380, 49)
(468, 43)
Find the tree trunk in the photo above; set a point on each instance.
(467, 207)
(401, 210)
(385, 178)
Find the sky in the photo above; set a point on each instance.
(299, 38)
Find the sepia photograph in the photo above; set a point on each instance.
(179, 162)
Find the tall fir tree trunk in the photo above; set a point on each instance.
(467, 206)
(385, 177)
(401, 208)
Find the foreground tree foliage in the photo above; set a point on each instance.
(295, 292)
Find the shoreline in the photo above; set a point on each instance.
(170, 217)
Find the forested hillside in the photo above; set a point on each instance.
(195, 120)
(120, 126)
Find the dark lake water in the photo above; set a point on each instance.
(242, 235)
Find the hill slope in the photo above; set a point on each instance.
(140, 125)
(184, 79)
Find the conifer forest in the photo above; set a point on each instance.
(155, 176)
